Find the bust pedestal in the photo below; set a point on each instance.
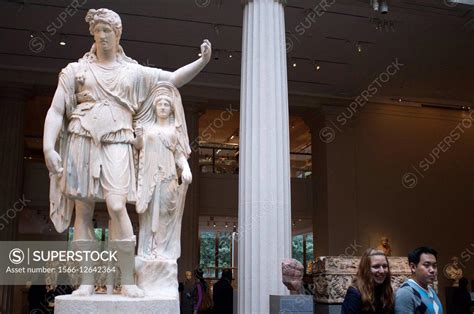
(113, 304)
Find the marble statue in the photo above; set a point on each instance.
(292, 274)
(384, 246)
(454, 271)
(89, 140)
(164, 148)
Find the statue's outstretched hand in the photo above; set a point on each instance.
(206, 50)
(186, 176)
(53, 162)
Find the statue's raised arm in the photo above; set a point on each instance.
(185, 74)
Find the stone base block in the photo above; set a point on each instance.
(113, 304)
(322, 308)
(158, 278)
(291, 304)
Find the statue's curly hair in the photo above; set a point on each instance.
(104, 16)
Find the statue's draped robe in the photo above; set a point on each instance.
(95, 141)
(160, 200)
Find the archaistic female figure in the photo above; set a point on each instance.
(163, 151)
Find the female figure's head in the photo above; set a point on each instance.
(106, 27)
(374, 274)
(163, 104)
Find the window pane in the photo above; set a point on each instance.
(224, 251)
(98, 234)
(298, 248)
(309, 249)
(207, 254)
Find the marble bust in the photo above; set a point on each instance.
(90, 138)
(454, 271)
(385, 246)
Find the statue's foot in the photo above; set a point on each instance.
(132, 291)
(84, 290)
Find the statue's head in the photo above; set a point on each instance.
(104, 16)
(163, 102)
(188, 275)
(384, 241)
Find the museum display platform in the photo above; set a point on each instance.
(116, 304)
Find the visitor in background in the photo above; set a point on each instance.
(462, 298)
(187, 297)
(223, 293)
(371, 291)
(37, 299)
(416, 295)
(202, 300)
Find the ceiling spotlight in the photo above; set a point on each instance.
(214, 225)
(199, 54)
(294, 64)
(359, 47)
(318, 67)
(226, 225)
(375, 4)
(399, 100)
(230, 54)
(384, 7)
(62, 40)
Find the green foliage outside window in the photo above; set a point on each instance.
(224, 257)
(207, 254)
(298, 244)
(297, 251)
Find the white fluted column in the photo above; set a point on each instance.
(264, 179)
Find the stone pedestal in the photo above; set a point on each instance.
(114, 304)
(158, 278)
(295, 304)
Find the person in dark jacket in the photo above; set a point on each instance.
(462, 298)
(371, 291)
(223, 293)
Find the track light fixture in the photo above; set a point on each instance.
(380, 5)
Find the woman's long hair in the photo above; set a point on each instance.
(364, 282)
(199, 274)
